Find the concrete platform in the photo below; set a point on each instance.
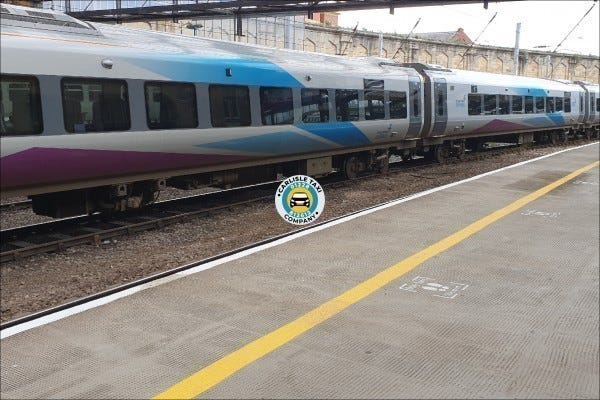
(509, 311)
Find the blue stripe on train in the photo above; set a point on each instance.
(542, 121)
(284, 142)
(342, 133)
(288, 142)
(192, 68)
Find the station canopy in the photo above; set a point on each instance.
(129, 11)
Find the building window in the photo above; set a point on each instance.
(517, 104)
(529, 105)
(315, 105)
(558, 104)
(171, 105)
(489, 104)
(229, 105)
(346, 105)
(503, 104)
(20, 106)
(475, 104)
(398, 105)
(539, 105)
(374, 105)
(276, 106)
(95, 105)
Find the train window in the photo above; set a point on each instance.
(439, 103)
(171, 105)
(539, 105)
(374, 104)
(315, 105)
(528, 104)
(415, 112)
(398, 105)
(517, 104)
(95, 105)
(346, 105)
(567, 103)
(475, 104)
(549, 104)
(276, 105)
(489, 104)
(229, 105)
(558, 104)
(598, 104)
(20, 106)
(581, 103)
(503, 104)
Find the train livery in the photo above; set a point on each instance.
(98, 117)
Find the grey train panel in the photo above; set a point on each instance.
(427, 121)
(414, 93)
(440, 106)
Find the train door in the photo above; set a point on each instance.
(586, 106)
(440, 107)
(416, 112)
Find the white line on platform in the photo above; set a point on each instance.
(211, 264)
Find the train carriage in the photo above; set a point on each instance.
(101, 117)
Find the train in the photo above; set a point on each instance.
(101, 118)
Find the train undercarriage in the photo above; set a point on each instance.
(134, 195)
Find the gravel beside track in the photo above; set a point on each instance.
(47, 280)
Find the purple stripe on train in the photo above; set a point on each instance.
(499, 125)
(49, 165)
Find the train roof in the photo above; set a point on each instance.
(27, 28)
(109, 39)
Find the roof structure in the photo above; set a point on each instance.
(237, 8)
(458, 36)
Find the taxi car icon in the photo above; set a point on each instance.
(299, 199)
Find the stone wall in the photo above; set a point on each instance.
(293, 32)
(478, 58)
(322, 39)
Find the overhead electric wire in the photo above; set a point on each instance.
(477, 38)
(576, 25)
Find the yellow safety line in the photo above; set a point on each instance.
(218, 371)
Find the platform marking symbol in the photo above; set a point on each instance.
(544, 214)
(579, 182)
(421, 284)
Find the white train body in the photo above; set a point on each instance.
(90, 108)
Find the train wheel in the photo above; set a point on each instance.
(407, 157)
(384, 165)
(441, 154)
(383, 162)
(351, 167)
(459, 150)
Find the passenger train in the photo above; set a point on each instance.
(98, 117)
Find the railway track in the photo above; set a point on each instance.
(60, 234)
(15, 205)
(57, 235)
